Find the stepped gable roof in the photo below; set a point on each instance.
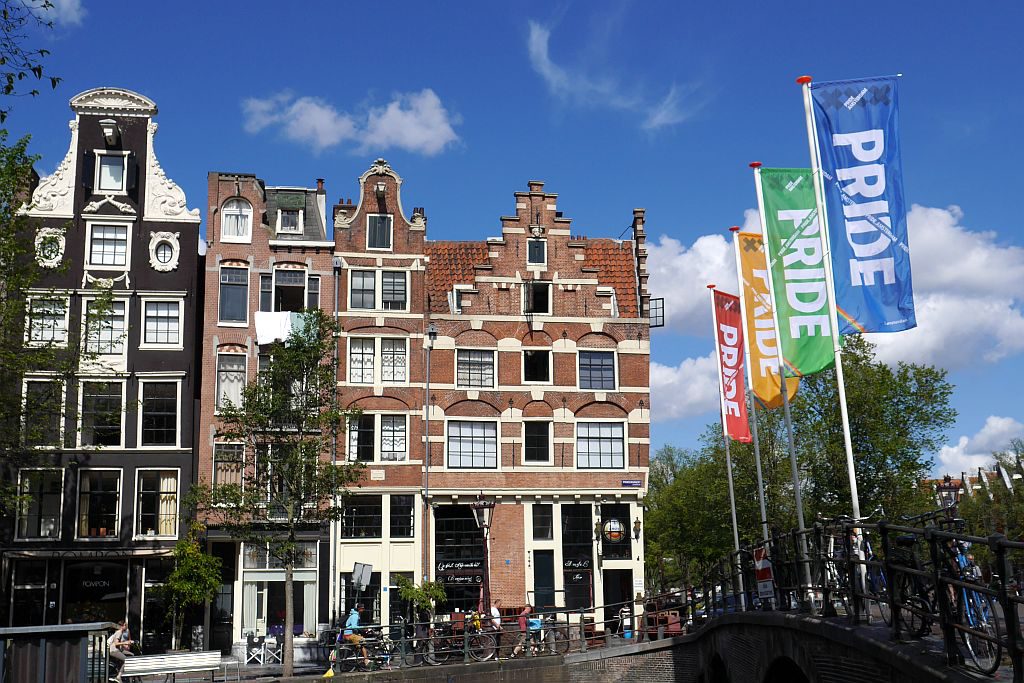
(616, 268)
(451, 263)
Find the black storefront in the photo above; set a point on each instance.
(578, 556)
(459, 554)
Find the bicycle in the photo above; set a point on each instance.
(481, 645)
(982, 638)
(551, 633)
(380, 651)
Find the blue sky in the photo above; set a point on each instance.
(614, 105)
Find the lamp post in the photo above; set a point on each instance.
(482, 511)
(431, 338)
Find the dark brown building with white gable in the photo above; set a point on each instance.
(95, 538)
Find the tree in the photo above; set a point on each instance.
(17, 61)
(997, 509)
(195, 579)
(424, 597)
(289, 419)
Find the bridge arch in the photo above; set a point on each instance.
(716, 671)
(785, 670)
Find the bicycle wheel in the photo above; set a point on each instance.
(347, 659)
(481, 646)
(977, 612)
(877, 586)
(437, 652)
(560, 641)
(913, 609)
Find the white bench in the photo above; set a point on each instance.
(167, 665)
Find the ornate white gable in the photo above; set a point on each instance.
(165, 201)
(380, 167)
(113, 102)
(55, 195)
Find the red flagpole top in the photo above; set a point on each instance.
(734, 228)
(754, 164)
(804, 80)
(711, 286)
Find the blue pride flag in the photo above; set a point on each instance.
(857, 126)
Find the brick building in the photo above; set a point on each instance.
(94, 536)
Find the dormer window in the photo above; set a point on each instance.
(111, 172)
(289, 221)
(537, 252)
(378, 231)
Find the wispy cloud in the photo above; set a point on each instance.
(686, 390)
(415, 122)
(976, 451)
(576, 86)
(67, 12)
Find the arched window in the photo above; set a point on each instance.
(236, 221)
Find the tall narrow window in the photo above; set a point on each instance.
(111, 173)
(537, 297)
(543, 521)
(101, 413)
(360, 438)
(313, 291)
(234, 294)
(600, 445)
(360, 360)
(159, 414)
(236, 221)
(99, 492)
(48, 323)
(39, 510)
(537, 442)
(393, 291)
(157, 506)
(266, 292)
(105, 332)
(227, 463)
(108, 245)
(597, 370)
(364, 283)
(378, 231)
(392, 437)
(289, 290)
(402, 516)
(475, 368)
(537, 366)
(393, 360)
(472, 444)
(536, 252)
(163, 323)
(230, 379)
(43, 415)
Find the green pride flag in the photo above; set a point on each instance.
(796, 273)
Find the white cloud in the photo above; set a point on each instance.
(751, 221)
(67, 12)
(687, 390)
(415, 122)
(967, 290)
(576, 86)
(973, 452)
(681, 275)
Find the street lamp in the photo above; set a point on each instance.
(636, 529)
(429, 343)
(482, 512)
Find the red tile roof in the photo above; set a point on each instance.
(451, 263)
(614, 261)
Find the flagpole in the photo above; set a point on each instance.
(793, 468)
(750, 382)
(728, 457)
(819, 198)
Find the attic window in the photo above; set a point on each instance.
(536, 252)
(378, 231)
(537, 297)
(290, 221)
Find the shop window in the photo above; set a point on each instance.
(616, 532)
(362, 517)
(369, 596)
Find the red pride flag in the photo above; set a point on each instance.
(729, 347)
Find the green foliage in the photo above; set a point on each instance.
(289, 419)
(423, 597)
(897, 416)
(195, 579)
(1003, 512)
(17, 61)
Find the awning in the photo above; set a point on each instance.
(82, 554)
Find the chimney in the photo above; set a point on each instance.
(320, 186)
(640, 253)
(535, 185)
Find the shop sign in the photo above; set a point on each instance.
(577, 578)
(463, 579)
(459, 566)
(576, 564)
(614, 531)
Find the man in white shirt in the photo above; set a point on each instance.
(496, 624)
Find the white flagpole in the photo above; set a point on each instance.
(725, 438)
(793, 468)
(750, 382)
(819, 198)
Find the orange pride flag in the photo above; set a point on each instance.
(756, 301)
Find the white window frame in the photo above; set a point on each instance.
(540, 265)
(380, 365)
(379, 286)
(378, 438)
(213, 462)
(236, 239)
(146, 300)
(97, 154)
(99, 356)
(376, 289)
(391, 232)
(551, 365)
(82, 381)
(455, 302)
(60, 512)
(447, 443)
(90, 224)
(527, 284)
(273, 285)
(300, 226)
(177, 429)
(494, 367)
(216, 373)
(615, 369)
(63, 344)
(248, 295)
(601, 420)
(551, 443)
(373, 356)
(63, 404)
(120, 504)
(136, 528)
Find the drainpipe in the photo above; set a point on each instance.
(332, 535)
(431, 336)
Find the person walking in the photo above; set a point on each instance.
(496, 625)
(524, 622)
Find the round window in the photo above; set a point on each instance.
(164, 252)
